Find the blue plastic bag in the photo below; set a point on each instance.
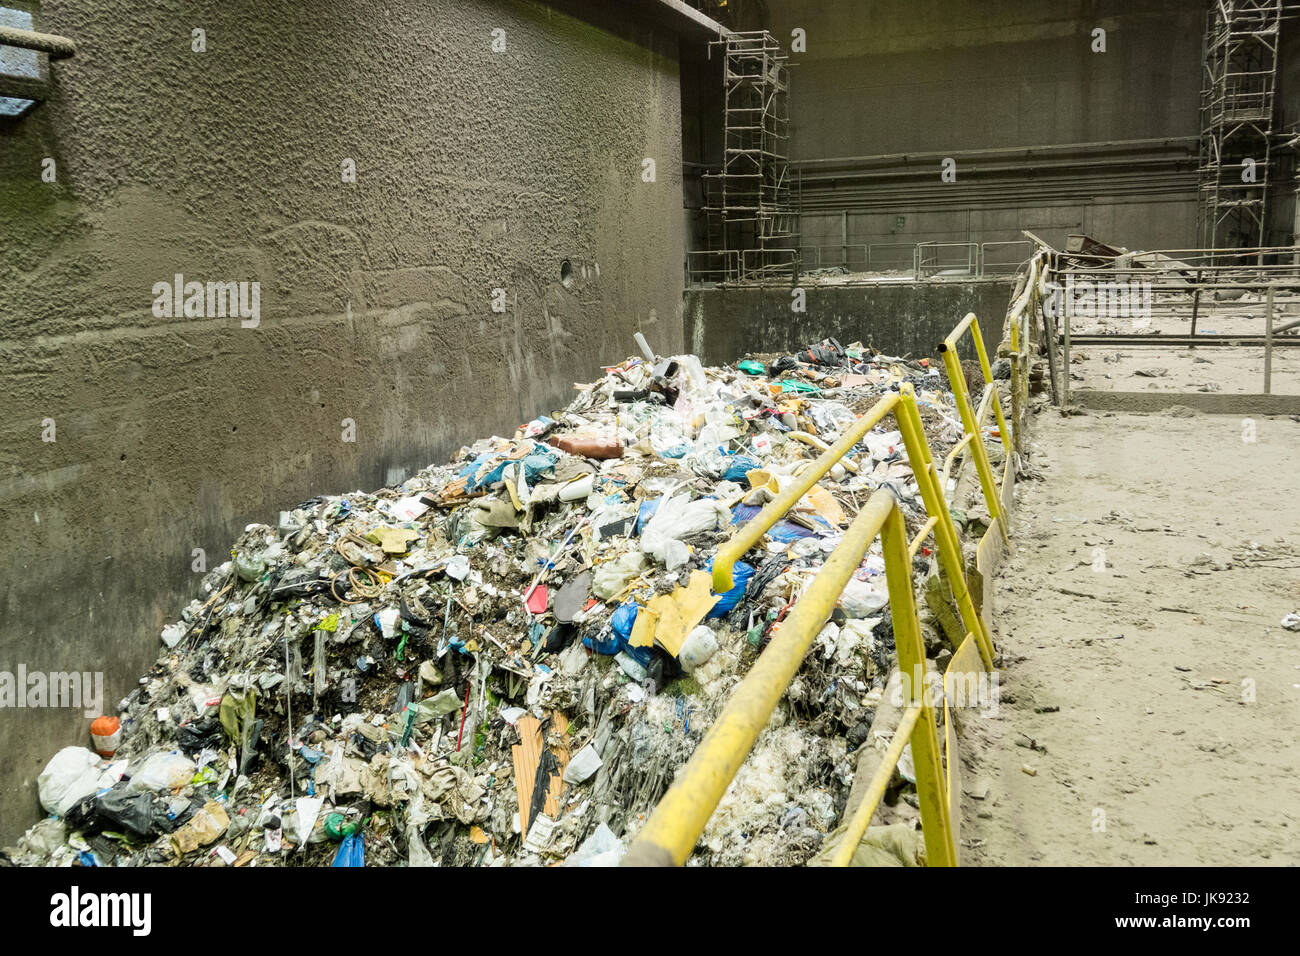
(785, 530)
(623, 619)
(538, 461)
(740, 575)
(620, 632)
(352, 852)
(646, 511)
(739, 466)
(608, 644)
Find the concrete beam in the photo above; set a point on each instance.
(673, 15)
(1212, 403)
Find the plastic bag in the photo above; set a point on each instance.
(611, 577)
(352, 852)
(602, 848)
(419, 853)
(707, 462)
(831, 418)
(122, 810)
(72, 774)
(862, 598)
(163, 771)
(740, 575)
(679, 518)
(623, 619)
(738, 466)
(699, 646)
(201, 733)
(883, 445)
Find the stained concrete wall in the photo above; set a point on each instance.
(475, 170)
(889, 88)
(903, 318)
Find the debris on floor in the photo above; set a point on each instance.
(505, 659)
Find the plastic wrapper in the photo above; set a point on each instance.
(679, 518)
(611, 577)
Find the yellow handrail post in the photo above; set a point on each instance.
(987, 369)
(930, 790)
(945, 535)
(1017, 401)
(875, 791)
(957, 381)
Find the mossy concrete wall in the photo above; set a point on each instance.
(475, 170)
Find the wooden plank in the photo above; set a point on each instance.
(527, 757)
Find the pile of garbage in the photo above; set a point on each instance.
(505, 659)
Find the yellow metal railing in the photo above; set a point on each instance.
(917, 725)
(670, 834)
(752, 531)
(971, 419)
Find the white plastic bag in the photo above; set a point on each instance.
(699, 646)
(862, 598)
(602, 848)
(163, 771)
(679, 518)
(72, 774)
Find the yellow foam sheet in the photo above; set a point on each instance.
(668, 618)
(393, 540)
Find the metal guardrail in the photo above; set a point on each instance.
(936, 258)
(921, 260)
(670, 834)
(716, 266)
(1173, 283)
(969, 419)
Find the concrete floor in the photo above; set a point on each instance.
(1149, 692)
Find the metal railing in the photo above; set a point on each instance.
(950, 258)
(923, 260)
(715, 266)
(1139, 291)
(971, 420)
(670, 834)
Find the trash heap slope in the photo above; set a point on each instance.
(505, 659)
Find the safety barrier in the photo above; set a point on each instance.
(671, 833)
(972, 420)
(923, 260)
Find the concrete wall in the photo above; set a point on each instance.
(901, 318)
(475, 170)
(889, 88)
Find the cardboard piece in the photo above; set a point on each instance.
(527, 756)
(669, 618)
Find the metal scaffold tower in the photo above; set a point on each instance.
(1239, 71)
(750, 215)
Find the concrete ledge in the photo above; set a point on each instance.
(1212, 403)
(680, 18)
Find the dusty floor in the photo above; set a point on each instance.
(1139, 621)
(1235, 369)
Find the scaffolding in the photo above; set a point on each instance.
(750, 215)
(1239, 81)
